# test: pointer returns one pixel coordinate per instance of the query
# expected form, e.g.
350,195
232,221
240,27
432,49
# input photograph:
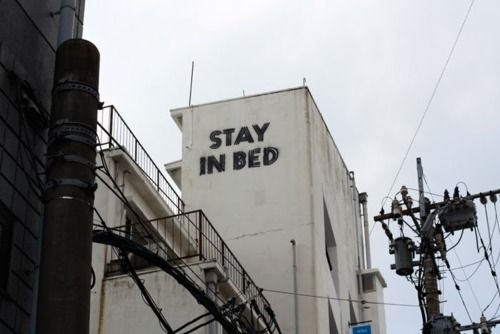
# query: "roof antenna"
243,92
303,82
191,84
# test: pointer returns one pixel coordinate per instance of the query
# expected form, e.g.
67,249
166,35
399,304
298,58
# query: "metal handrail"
211,246
113,131
203,240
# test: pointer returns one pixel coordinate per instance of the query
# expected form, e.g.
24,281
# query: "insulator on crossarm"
404,191
446,195
396,209
483,199
409,201
493,198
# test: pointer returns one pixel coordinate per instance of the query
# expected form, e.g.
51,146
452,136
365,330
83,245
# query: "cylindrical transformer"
403,250
442,324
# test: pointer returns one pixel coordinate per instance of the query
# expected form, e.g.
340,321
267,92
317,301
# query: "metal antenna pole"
191,84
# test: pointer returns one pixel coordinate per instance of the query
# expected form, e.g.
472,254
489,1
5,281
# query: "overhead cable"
431,98
362,301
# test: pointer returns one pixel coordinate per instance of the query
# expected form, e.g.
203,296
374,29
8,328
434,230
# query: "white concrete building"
271,184
266,170
186,263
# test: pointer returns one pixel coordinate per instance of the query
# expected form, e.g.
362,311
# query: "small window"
352,314
368,282
331,248
332,322
5,248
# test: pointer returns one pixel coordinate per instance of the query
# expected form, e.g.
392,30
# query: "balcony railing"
203,241
113,132
183,235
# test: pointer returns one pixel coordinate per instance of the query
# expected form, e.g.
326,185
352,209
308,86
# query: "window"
6,225
332,322
331,248
352,314
368,282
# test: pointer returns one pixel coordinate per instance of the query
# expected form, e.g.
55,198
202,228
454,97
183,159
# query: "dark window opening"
141,232
6,226
352,314
332,322
331,248
368,282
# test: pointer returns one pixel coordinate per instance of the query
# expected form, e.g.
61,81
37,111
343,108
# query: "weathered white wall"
124,310
376,311
116,302
334,188
259,210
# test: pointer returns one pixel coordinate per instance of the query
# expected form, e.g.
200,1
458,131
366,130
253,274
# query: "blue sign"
362,329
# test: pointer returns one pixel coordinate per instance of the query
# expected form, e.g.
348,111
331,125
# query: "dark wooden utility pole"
430,275
65,269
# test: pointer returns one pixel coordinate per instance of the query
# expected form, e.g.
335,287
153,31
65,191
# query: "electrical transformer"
458,215
403,249
442,324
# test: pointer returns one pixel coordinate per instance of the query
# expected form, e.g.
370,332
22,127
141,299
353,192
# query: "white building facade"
151,255
267,172
270,222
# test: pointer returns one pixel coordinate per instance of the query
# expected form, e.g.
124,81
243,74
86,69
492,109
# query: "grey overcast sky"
371,67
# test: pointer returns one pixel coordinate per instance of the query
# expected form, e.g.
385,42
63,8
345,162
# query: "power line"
467,280
429,102
362,301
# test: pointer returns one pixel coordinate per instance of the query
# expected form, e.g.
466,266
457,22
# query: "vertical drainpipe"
211,279
67,14
67,18
295,292
363,199
355,215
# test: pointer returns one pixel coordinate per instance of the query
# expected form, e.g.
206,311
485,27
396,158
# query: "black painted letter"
239,160
203,160
220,164
253,158
214,137
243,135
228,133
270,155
260,131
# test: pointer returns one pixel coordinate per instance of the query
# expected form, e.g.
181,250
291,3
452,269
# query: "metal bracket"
87,185
70,158
78,132
76,85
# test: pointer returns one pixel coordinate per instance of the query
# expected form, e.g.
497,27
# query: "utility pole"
430,277
455,213
65,268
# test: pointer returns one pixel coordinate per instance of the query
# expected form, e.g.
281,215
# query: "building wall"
123,310
116,302
28,35
259,210
110,308
27,41
334,190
